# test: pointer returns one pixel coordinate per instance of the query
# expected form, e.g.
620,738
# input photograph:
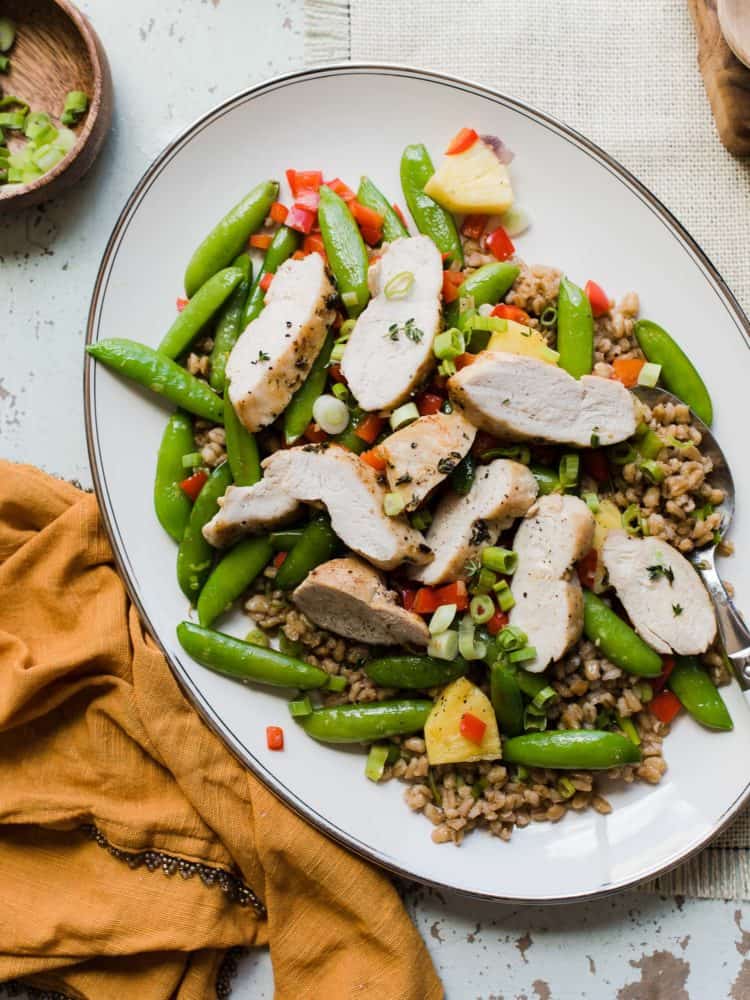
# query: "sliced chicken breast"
249,510
421,455
558,532
661,592
348,597
390,349
520,398
462,525
271,359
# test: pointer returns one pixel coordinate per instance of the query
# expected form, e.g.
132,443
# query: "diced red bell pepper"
366,216
483,442
504,311
452,281
665,706
274,737
192,486
627,370
304,180
301,218
181,303
308,199
473,226
374,459
660,682
498,622
314,244
278,212
407,598
336,374
425,601
278,559
465,359
314,434
463,139
586,568
371,236
397,209
261,241
299,255
370,427
265,281
595,465
453,593
429,402
598,298
500,244
472,727
341,189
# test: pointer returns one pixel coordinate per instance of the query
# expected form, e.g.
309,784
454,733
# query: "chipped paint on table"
631,947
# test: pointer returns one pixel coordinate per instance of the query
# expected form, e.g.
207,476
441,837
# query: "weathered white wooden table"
171,62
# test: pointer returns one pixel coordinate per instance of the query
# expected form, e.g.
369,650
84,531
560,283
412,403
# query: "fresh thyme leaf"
676,609
409,329
657,570
262,356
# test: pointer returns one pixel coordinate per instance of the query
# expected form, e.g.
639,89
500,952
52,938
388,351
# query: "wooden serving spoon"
734,19
56,50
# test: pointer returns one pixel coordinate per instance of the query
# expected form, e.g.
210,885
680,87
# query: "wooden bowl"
56,50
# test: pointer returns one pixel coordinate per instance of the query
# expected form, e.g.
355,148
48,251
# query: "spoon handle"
735,634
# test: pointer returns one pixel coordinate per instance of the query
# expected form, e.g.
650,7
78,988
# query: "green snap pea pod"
195,556
242,448
698,694
237,658
283,245
414,671
346,251
170,502
298,413
462,477
531,684
506,698
229,236
589,749
487,285
229,324
431,219
284,541
547,479
616,639
349,438
231,577
162,375
678,372
199,310
363,723
369,196
316,546
575,330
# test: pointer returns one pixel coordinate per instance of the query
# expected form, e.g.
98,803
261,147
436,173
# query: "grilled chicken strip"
348,597
272,358
519,398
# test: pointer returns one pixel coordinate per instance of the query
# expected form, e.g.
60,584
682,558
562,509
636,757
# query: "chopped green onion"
504,595
533,720
337,351
76,104
512,637
631,520
468,647
442,619
569,470
340,391
628,728
336,683
523,655
522,773
444,646
500,560
292,647
421,519
650,444
543,697
622,454
437,798
330,414
376,761
15,175
566,788
592,502
4,64
495,324
447,368
484,582
645,692
478,788
399,286
466,318
547,354
36,124
7,33
47,157
404,415
675,442
192,460
652,470
300,707
258,638
393,504
517,451
548,317
350,299
481,609
649,375
346,330
515,221
449,344
65,139
12,119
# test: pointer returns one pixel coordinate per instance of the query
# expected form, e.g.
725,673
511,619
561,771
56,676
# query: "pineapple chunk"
606,519
442,731
472,181
519,339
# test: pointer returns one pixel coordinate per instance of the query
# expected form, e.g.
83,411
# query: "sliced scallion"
399,286
504,595
350,299
346,329
376,761
257,637
533,720
484,582
518,452
566,788
14,120
442,619
622,454
76,104
649,375
548,318
4,64
421,519
447,368
468,646
340,391
336,683
46,157
7,33
449,344
652,470
481,609
444,646
499,559
192,460
650,444
494,324
393,504
543,697
628,728
337,351
404,415
631,520
511,638
569,470
331,414
592,502
300,707
523,655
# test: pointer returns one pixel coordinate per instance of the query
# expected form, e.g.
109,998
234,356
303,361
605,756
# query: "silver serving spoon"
734,633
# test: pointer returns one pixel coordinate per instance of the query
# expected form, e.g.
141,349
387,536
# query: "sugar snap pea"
298,413
506,698
616,639
231,577
575,330
349,438
363,723
316,546
547,480
419,672
592,749
678,373
698,694
195,556
228,325
242,448
170,502
199,310
236,658
160,374
430,218
285,539
230,235
462,477
345,249
283,245
371,197
486,286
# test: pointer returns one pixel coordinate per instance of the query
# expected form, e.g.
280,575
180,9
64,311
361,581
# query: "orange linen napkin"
102,761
